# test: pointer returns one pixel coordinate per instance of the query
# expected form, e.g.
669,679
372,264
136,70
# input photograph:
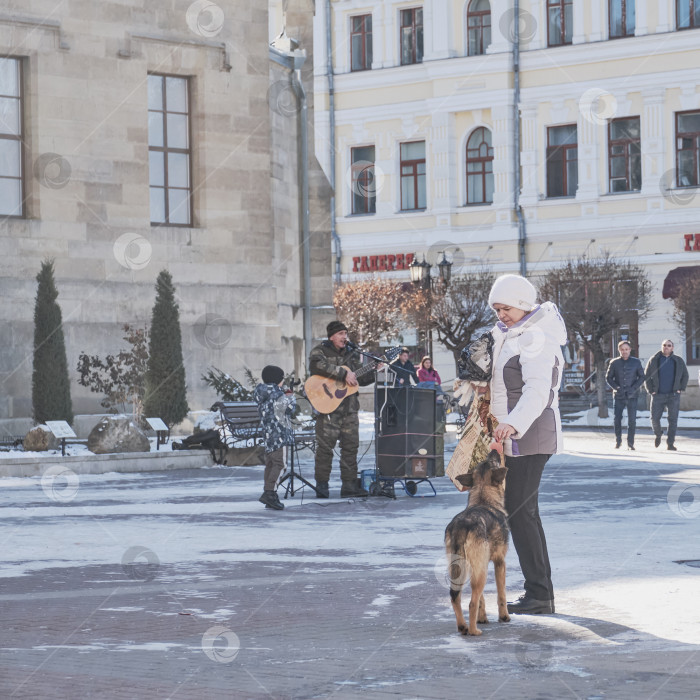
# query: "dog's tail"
467,559
458,567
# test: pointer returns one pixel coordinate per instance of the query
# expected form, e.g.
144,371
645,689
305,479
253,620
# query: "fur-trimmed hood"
527,372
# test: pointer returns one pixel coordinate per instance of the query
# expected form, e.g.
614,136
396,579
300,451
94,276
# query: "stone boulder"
117,434
40,439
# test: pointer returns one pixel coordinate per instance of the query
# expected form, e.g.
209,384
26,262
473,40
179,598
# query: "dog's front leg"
499,567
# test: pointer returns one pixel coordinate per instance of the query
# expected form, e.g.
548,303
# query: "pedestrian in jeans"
666,378
276,409
624,376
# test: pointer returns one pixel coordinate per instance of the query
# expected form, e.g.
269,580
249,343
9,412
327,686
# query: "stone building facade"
604,138
222,214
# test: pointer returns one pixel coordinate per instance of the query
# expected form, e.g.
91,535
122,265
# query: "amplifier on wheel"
406,439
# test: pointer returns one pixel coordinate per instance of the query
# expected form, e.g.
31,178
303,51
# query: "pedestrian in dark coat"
625,376
666,377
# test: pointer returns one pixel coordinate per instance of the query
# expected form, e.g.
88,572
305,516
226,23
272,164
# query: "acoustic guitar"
326,394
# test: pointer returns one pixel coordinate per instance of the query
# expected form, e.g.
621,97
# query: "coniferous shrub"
227,388
50,383
166,391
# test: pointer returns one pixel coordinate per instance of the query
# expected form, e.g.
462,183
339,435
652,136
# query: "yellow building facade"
417,127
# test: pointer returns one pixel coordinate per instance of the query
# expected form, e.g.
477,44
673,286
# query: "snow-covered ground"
616,523
73,449
117,585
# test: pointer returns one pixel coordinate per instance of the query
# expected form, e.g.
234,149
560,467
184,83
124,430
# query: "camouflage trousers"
333,427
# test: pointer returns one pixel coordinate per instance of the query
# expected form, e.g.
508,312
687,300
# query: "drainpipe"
522,234
303,171
331,137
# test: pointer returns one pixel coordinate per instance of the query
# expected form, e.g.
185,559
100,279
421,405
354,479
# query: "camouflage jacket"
326,361
276,409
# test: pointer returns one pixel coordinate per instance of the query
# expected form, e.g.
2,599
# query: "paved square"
181,585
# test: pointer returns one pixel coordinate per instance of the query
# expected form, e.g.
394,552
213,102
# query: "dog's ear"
497,475
467,480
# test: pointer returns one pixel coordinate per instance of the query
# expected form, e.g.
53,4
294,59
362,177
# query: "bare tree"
457,312
371,309
595,296
686,304
463,310
416,312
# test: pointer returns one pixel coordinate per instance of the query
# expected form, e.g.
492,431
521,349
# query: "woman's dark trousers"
522,491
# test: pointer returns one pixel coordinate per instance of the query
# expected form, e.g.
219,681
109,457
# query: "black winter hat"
335,327
272,374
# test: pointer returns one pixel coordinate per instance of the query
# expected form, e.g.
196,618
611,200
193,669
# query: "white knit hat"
515,291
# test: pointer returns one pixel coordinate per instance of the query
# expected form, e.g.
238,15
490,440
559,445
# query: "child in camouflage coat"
276,409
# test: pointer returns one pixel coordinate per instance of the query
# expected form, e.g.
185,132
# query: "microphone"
351,345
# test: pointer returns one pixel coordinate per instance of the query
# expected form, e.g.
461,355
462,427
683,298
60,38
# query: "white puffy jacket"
527,371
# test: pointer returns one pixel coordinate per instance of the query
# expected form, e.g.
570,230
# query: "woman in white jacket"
527,364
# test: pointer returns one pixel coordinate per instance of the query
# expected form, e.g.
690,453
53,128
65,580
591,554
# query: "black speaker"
406,440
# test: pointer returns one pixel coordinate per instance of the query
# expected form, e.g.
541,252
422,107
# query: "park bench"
241,427
9,442
240,423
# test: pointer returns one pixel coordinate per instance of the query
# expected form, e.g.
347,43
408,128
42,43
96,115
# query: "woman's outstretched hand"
503,432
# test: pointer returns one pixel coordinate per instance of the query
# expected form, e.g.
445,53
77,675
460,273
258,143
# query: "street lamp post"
422,278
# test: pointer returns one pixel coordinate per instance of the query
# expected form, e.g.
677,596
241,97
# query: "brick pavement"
315,616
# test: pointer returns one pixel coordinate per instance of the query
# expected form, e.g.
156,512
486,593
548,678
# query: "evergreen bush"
50,383
166,391
227,388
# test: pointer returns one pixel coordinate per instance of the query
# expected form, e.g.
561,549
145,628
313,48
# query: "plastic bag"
476,361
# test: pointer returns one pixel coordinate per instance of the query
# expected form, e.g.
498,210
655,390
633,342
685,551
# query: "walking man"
624,376
666,378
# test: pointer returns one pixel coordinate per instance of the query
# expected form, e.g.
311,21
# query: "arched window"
478,27
479,167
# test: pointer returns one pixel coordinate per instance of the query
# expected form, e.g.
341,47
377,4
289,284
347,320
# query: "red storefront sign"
382,263
692,241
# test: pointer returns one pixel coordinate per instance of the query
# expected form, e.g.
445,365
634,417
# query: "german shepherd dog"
475,536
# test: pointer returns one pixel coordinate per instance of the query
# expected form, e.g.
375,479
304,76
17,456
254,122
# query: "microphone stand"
387,369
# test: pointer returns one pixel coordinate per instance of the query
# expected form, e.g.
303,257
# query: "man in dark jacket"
624,376
327,360
666,378
405,371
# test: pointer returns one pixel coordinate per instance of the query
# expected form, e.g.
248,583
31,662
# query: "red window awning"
676,277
